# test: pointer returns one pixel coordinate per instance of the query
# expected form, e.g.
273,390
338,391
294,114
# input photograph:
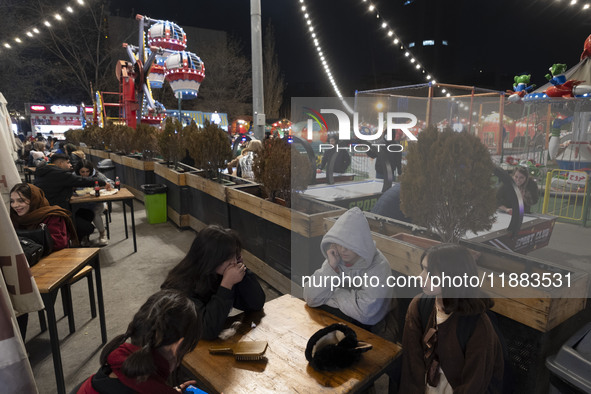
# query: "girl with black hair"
213,275
165,328
450,345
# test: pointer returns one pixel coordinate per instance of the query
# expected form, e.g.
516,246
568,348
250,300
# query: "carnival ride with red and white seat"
160,55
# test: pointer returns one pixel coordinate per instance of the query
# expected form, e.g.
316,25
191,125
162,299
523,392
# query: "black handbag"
40,236
32,250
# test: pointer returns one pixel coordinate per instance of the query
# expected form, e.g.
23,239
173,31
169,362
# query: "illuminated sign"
64,109
37,108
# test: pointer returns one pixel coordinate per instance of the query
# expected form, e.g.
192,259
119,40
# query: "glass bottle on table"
117,183
97,189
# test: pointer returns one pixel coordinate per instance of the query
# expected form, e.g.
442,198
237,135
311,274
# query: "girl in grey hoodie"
353,276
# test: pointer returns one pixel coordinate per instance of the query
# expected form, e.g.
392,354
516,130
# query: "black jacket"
343,160
57,184
246,295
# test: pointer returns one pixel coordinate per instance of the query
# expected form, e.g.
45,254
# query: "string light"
32,31
321,57
384,25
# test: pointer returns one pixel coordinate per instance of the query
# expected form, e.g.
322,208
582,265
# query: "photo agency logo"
362,141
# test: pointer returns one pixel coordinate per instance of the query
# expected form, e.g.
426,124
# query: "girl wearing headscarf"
29,208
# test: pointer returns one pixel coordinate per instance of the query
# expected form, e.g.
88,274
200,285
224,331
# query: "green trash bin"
155,202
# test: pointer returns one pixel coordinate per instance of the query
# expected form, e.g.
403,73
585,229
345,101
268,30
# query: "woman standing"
526,185
213,276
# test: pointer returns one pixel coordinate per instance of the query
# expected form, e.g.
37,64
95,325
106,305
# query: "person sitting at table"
56,179
214,276
526,185
166,327
449,342
28,209
86,169
351,255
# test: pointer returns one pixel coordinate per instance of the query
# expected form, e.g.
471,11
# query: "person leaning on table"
213,275
56,179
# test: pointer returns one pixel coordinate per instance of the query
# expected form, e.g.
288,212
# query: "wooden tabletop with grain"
122,194
286,323
53,270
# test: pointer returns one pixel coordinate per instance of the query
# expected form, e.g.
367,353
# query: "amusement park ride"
160,55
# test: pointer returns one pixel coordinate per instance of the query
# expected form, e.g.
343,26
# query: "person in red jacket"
29,208
165,328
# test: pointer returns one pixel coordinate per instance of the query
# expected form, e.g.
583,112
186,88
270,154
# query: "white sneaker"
103,241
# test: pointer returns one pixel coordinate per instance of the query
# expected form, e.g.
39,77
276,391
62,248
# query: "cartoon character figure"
557,76
521,82
520,87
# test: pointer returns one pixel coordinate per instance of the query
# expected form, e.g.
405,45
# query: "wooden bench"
55,272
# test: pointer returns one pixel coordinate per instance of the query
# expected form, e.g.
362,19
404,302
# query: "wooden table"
286,323
28,171
122,195
51,273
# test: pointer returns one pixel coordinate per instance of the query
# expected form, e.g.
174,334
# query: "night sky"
490,41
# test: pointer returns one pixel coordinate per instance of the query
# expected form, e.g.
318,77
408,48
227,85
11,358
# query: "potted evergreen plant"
172,142
209,146
447,184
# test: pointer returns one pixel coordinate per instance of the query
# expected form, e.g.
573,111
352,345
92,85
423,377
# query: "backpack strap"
466,324
426,304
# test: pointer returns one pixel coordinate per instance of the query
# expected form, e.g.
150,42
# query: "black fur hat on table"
334,347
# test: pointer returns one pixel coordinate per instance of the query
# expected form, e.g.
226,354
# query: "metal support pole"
180,97
258,101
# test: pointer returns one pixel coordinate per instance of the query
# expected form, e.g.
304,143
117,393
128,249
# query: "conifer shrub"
281,169
447,185
210,147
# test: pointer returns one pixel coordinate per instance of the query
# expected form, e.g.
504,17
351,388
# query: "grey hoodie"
367,303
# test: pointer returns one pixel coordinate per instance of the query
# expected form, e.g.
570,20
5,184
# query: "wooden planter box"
533,321
208,199
135,173
280,244
177,195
